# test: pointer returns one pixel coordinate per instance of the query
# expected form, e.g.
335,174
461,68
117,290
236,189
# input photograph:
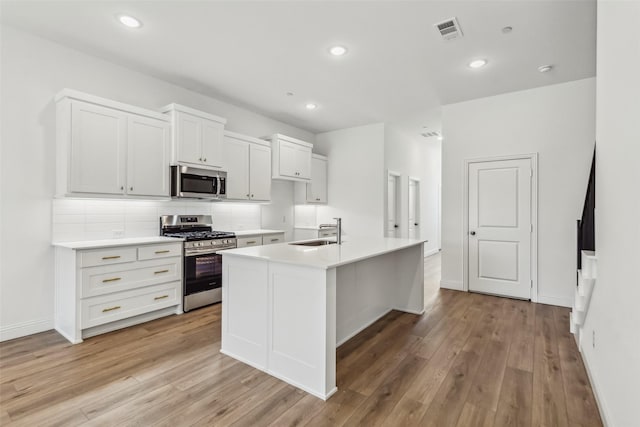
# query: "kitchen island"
286,307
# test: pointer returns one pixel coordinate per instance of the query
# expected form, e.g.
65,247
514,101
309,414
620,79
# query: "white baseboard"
431,252
451,284
23,329
560,302
604,414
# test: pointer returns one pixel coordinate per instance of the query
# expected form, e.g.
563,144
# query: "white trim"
18,330
184,109
602,407
419,196
431,252
279,136
246,138
104,102
558,301
533,157
451,284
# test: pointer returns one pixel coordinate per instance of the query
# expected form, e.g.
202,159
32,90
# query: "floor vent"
449,29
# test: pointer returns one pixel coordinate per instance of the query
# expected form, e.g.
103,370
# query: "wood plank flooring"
470,360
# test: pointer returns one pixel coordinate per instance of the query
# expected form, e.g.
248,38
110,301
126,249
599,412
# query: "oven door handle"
205,252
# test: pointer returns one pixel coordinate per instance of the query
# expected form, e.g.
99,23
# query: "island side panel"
301,315
244,310
408,285
363,294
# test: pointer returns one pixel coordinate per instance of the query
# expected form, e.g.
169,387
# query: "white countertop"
244,233
313,227
327,256
109,243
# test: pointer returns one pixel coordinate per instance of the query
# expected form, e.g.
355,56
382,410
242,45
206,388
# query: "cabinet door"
303,161
98,144
189,138
236,163
317,188
148,157
288,159
212,135
260,172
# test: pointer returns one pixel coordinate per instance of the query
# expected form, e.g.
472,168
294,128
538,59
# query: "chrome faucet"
337,225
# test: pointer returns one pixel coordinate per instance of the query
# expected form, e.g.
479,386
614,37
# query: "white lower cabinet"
260,239
100,290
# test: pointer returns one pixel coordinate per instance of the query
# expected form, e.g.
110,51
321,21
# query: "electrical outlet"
118,233
593,338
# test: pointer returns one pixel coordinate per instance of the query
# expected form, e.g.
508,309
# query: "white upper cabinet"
247,161
291,158
317,188
98,149
109,148
314,191
197,137
148,157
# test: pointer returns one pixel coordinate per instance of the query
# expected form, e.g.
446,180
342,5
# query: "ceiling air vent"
449,29
430,134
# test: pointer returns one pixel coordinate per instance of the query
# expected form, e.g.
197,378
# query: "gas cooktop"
200,235
191,228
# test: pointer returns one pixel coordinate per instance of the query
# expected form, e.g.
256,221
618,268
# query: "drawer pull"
163,252
111,257
161,271
113,279
252,242
162,297
104,310
274,240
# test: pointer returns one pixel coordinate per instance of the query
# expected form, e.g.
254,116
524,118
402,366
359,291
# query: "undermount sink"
314,243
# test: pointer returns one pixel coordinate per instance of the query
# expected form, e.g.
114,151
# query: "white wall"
558,123
417,158
614,361
33,70
355,178
278,215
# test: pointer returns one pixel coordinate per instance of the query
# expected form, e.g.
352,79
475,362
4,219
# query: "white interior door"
393,214
500,227
414,208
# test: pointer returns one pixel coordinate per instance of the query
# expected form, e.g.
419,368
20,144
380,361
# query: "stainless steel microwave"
195,183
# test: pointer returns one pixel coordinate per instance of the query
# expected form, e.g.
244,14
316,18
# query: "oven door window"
202,273
199,184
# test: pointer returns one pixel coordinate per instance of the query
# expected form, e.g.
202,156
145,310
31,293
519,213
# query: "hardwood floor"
471,360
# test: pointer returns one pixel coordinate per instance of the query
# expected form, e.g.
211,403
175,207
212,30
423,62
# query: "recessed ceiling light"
129,21
545,68
440,138
338,50
507,29
478,63
311,106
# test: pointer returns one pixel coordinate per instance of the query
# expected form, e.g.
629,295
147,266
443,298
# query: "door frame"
398,206
419,204
533,157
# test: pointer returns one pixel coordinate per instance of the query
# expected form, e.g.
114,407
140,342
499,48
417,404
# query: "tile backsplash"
94,219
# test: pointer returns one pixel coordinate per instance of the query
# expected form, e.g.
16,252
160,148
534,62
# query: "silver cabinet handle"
473,233
205,159
130,188
252,195
122,187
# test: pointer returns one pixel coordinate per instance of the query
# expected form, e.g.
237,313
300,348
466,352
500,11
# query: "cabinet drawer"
114,278
108,256
243,242
108,308
327,233
159,251
271,239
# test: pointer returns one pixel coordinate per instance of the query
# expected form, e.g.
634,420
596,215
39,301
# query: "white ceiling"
397,68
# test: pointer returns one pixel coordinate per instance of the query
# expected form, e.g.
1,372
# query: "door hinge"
531,172
531,228
531,281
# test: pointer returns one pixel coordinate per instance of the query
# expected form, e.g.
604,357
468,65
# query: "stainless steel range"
202,284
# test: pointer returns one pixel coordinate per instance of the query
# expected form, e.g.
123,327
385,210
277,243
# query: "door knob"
473,233
395,226
415,223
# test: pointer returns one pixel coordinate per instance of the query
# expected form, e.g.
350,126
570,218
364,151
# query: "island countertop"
327,256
